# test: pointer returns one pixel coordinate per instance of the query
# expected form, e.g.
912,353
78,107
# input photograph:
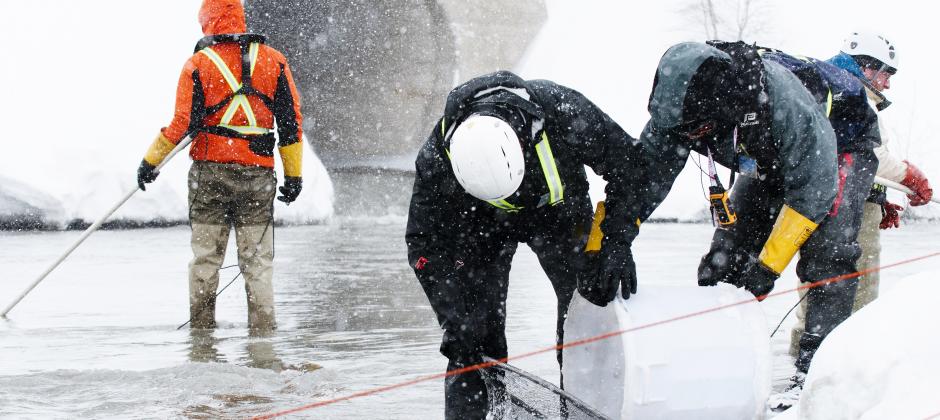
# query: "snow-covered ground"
882,362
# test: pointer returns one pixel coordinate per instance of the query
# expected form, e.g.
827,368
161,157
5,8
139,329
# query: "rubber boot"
465,395
809,343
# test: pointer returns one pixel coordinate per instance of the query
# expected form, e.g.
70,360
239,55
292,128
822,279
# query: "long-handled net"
515,394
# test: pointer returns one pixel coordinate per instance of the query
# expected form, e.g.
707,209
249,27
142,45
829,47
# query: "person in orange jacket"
230,94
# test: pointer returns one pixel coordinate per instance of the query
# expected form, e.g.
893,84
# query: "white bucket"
714,365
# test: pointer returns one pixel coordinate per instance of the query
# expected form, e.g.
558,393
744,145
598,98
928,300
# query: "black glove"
721,265
146,174
614,267
291,189
757,279
736,268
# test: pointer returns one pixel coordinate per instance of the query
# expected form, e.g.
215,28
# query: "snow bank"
89,86
24,207
882,362
165,201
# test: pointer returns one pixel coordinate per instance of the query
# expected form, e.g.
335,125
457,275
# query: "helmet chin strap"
884,103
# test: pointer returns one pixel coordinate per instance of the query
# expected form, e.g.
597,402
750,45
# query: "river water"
98,337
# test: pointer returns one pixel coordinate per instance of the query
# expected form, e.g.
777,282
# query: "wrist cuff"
791,230
158,150
292,158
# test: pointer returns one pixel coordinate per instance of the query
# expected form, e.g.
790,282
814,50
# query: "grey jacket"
801,161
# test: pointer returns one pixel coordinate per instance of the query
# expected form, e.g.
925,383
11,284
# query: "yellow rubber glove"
791,230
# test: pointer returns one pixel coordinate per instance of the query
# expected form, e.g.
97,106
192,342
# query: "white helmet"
874,46
486,156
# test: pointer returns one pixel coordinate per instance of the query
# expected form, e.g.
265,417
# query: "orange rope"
588,341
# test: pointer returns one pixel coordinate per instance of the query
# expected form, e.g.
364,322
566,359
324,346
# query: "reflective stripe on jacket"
556,188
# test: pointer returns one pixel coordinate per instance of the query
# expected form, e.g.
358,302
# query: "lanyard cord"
722,212
734,160
713,171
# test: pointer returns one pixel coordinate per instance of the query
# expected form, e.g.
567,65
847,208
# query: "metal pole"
182,144
899,187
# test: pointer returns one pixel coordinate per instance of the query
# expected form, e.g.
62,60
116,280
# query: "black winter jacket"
442,216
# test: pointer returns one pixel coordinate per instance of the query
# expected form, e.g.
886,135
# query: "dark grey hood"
675,74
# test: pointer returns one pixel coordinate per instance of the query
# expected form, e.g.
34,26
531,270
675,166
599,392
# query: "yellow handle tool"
596,236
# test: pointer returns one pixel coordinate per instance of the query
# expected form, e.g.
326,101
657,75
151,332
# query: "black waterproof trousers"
558,240
832,250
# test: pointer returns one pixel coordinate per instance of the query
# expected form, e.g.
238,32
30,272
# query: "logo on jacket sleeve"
750,118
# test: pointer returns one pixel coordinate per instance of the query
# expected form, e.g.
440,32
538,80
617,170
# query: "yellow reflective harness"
238,100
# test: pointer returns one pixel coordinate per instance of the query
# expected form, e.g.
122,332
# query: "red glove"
889,215
917,182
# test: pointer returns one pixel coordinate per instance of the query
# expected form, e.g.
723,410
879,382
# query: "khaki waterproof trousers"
222,196
869,239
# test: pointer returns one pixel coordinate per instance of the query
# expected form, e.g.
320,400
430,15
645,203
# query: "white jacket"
889,167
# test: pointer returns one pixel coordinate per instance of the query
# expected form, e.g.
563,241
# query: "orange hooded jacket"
224,129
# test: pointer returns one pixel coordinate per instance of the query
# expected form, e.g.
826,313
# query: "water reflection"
203,346
260,352
258,349
257,352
